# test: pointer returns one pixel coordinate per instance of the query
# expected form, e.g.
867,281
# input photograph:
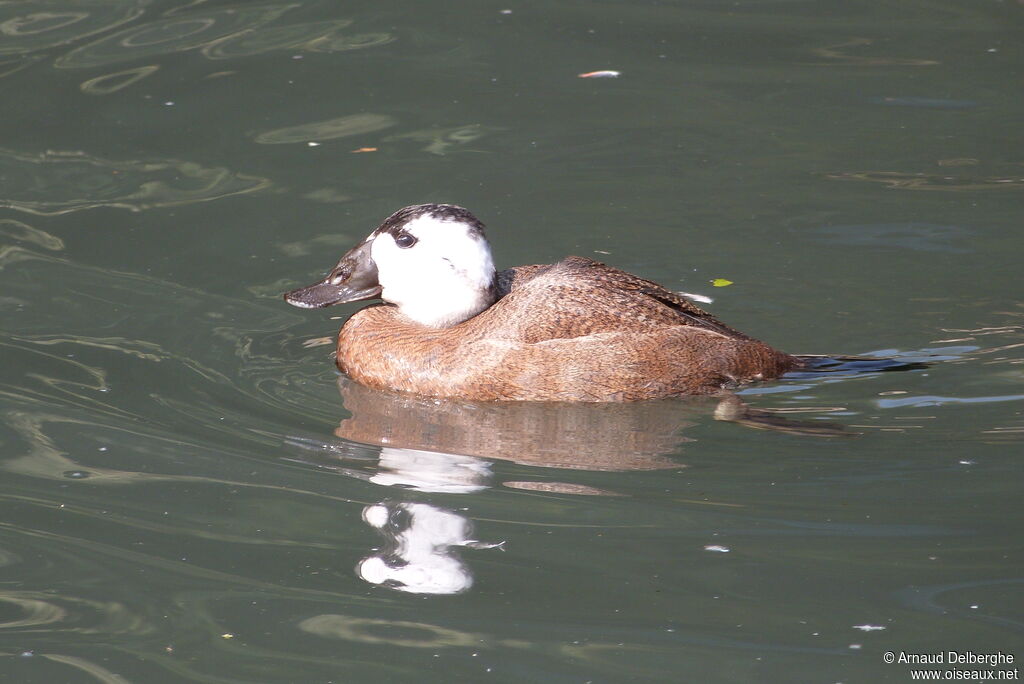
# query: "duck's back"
579,296
577,330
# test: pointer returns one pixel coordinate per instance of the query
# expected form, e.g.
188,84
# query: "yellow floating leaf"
721,282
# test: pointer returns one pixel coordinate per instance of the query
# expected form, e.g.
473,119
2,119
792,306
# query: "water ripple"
41,24
226,33
899,180
289,37
59,182
353,124
22,232
175,34
13,66
111,83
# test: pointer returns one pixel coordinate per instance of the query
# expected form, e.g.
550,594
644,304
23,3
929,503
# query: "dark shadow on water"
853,365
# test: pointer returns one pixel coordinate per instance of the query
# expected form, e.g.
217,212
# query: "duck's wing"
687,312
579,296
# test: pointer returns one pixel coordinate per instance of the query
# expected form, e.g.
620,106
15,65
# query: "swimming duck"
577,330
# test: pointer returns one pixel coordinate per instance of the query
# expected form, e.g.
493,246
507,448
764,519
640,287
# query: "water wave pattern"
83,366
13,65
900,180
330,129
444,140
27,27
954,601
904,391
102,420
118,80
223,33
289,36
323,36
921,237
58,182
174,34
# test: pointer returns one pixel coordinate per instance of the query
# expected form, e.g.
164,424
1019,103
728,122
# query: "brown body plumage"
577,330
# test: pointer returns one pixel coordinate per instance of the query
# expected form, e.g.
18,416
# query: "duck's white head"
432,261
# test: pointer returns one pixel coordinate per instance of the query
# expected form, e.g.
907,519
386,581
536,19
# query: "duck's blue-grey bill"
352,280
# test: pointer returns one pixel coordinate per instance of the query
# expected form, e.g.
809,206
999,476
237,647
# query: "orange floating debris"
364,149
606,73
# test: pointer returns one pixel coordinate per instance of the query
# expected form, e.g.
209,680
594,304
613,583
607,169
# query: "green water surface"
189,495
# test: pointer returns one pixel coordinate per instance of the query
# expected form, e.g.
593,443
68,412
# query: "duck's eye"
405,241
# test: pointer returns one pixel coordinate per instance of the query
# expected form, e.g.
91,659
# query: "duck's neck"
446,304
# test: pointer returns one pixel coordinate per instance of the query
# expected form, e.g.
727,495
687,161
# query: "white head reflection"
420,549
431,471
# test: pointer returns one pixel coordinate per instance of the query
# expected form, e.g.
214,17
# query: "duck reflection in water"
609,436
429,443
448,447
